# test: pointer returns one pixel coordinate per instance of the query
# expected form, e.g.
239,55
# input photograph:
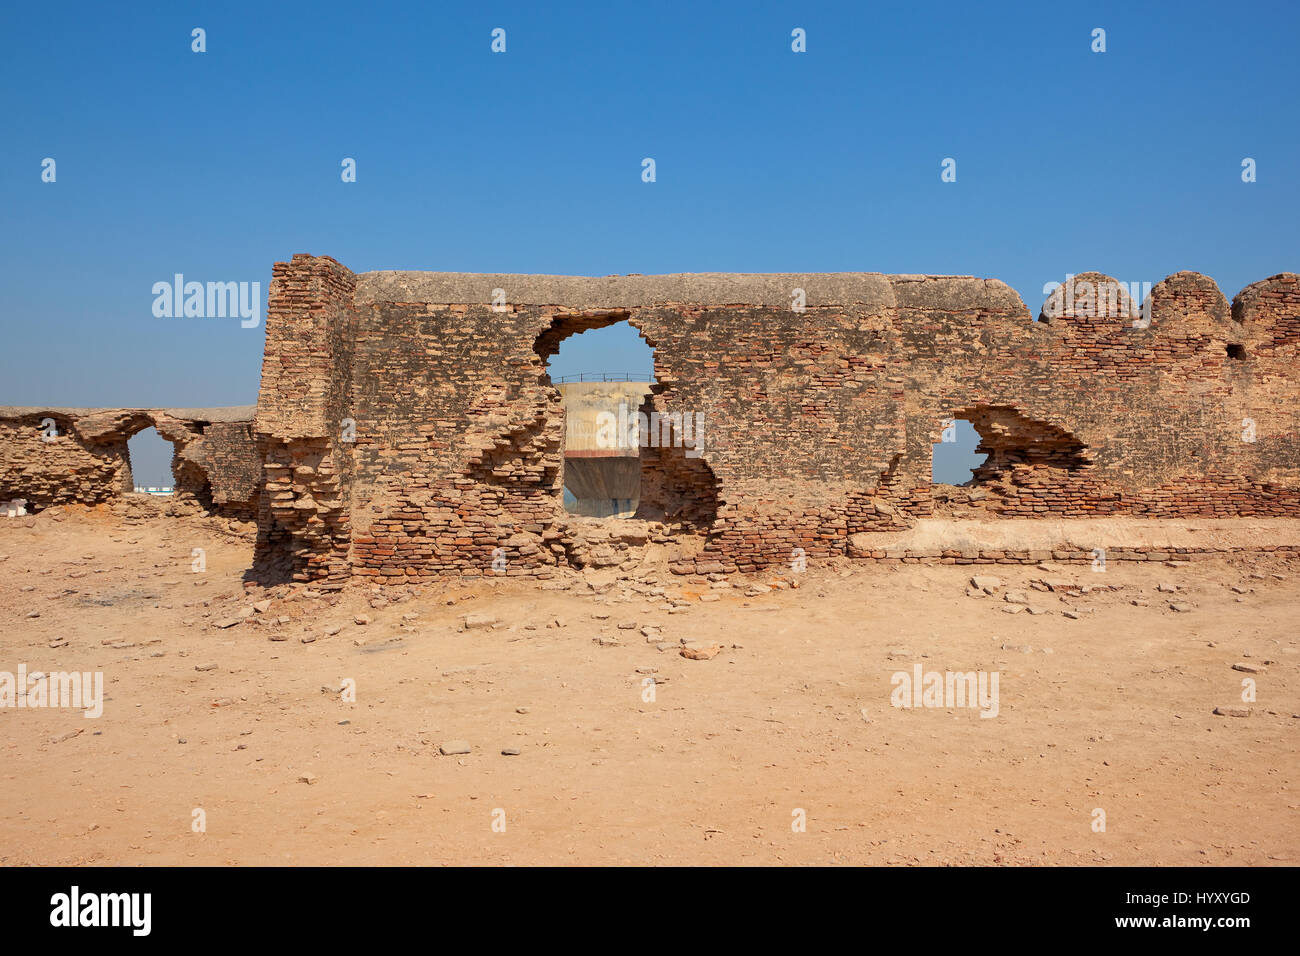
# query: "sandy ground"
1111,710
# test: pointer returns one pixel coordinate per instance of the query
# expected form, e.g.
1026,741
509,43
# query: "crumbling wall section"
51,456
459,442
303,426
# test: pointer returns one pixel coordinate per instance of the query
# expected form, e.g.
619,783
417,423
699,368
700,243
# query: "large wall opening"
150,458
988,453
605,376
1010,439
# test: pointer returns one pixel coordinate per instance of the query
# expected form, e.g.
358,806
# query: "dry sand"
1112,710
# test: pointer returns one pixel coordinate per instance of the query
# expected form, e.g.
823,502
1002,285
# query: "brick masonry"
409,430
52,456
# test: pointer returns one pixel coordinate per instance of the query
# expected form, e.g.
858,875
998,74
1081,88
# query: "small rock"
454,747
205,667
308,778
1232,711
509,751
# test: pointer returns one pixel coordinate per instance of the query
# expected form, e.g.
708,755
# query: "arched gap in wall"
604,370
149,456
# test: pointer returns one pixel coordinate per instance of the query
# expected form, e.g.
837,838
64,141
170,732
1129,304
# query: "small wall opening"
1010,439
1237,352
149,457
1014,449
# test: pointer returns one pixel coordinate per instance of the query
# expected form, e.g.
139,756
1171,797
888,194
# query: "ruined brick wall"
225,463
818,424
301,426
49,466
1178,412
464,456
51,456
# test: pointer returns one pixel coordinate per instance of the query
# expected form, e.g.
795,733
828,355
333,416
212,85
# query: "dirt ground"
240,745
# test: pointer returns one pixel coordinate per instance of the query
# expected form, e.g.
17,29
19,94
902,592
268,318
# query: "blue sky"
217,164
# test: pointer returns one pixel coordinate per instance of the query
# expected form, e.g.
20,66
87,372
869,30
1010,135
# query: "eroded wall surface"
409,428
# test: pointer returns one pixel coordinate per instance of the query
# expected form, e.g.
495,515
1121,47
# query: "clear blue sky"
217,164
